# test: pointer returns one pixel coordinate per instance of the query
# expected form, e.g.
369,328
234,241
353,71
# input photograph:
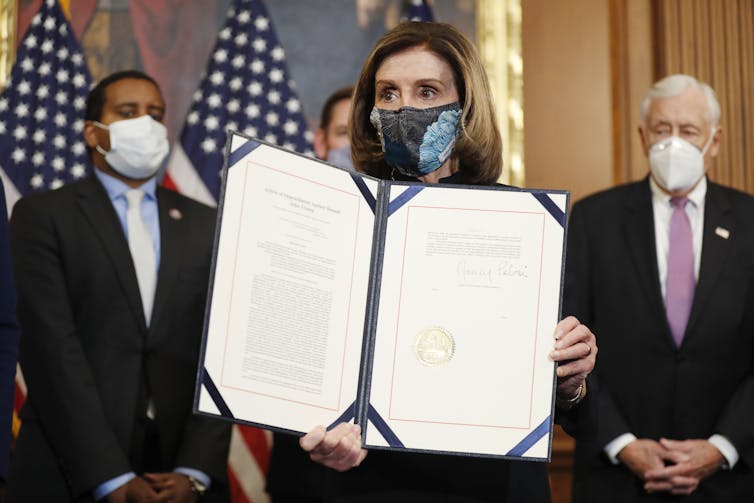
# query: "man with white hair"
662,270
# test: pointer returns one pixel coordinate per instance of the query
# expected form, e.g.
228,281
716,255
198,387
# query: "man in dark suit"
112,274
662,270
8,341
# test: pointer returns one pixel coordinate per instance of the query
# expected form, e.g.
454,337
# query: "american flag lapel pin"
176,214
722,232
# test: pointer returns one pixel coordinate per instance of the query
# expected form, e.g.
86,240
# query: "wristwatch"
197,487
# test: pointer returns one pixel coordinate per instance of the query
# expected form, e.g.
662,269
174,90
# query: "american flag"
246,87
42,109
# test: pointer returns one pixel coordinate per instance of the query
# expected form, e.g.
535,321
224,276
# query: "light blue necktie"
142,251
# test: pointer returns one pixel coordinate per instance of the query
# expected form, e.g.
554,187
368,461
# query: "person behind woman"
420,75
332,138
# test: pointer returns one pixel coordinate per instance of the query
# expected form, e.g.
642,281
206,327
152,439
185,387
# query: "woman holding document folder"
422,111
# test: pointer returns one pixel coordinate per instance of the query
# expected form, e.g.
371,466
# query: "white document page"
468,305
289,293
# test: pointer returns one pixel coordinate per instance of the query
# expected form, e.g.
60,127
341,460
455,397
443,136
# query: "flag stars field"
38,158
252,111
27,65
278,54
220,56
238,61
293,105
257,66
209,145
246,87
37,181
255,88
259,45
39,106
214,100
244,17
217,78
233,106
262,23
23,88
211,123
276,75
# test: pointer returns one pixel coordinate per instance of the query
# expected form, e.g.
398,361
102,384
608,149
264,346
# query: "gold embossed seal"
434,346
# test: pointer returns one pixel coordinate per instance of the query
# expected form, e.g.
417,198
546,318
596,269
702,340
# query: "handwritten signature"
490,275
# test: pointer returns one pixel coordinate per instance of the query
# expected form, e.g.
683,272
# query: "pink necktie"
679,293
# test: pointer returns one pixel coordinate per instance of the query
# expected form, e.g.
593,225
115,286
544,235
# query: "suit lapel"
639,231
98,210
172,241
718,224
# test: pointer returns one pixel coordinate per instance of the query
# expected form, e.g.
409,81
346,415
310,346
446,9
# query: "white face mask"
676,164
138,146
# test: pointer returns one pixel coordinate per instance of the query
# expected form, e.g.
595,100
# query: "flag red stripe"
19,398
256,441
237,494
168,183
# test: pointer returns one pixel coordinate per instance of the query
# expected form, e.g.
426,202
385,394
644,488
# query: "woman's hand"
575,351
339,448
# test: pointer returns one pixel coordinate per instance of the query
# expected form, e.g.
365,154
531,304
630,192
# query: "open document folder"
423,312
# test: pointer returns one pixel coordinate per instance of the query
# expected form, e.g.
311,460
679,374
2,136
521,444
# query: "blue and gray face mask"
417,141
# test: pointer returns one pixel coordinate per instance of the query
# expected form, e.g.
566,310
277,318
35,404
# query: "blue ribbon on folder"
532,438
383,428
215,395
368,196
551,207
374,417
396,203
403,198
347,415
241,152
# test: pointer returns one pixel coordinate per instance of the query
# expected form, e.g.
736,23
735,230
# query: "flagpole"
8,27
